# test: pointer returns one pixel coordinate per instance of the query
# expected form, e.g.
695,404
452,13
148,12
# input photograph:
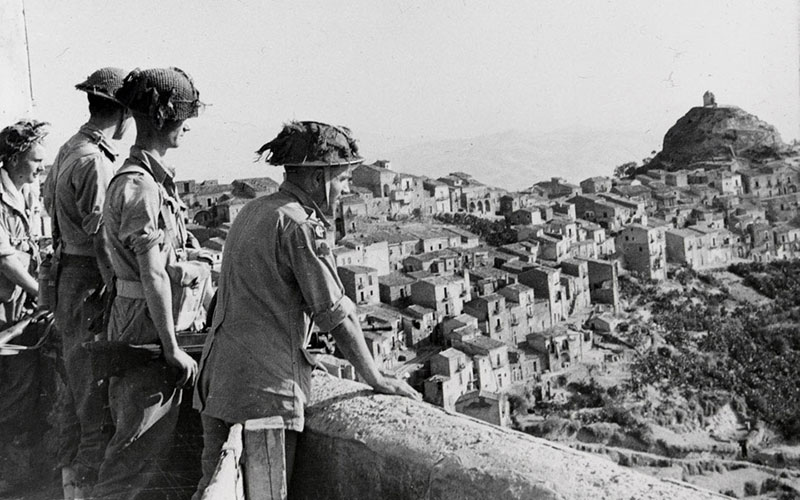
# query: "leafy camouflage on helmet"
311,144
160,94
20,137
104,82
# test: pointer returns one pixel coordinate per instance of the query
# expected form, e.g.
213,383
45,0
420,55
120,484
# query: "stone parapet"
359,445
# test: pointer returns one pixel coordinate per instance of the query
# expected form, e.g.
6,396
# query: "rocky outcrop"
711,133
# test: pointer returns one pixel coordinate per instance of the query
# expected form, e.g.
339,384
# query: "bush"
750,489
770,484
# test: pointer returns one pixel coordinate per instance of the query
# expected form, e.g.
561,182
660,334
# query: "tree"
625,170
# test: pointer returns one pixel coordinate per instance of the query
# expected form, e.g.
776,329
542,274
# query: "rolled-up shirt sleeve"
316,276
91,181
138,228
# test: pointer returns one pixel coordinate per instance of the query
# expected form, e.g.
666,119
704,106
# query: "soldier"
21,156
278,276
74,194
144,226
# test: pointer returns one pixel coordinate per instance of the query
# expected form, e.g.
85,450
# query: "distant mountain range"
515,159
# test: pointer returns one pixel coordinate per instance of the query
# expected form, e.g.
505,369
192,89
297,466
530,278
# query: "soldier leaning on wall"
278,276
74,193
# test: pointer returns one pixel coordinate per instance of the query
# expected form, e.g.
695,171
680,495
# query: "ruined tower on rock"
714,132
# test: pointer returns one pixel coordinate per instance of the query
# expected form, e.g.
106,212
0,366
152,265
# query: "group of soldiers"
126,271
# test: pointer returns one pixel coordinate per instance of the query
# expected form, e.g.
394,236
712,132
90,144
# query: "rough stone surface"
706,133
358,445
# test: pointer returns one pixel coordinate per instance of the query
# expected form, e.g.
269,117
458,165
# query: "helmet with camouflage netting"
160,94
104,82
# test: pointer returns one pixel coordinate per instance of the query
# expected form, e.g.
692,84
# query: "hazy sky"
398,72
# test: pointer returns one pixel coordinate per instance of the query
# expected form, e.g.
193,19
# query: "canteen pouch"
189,280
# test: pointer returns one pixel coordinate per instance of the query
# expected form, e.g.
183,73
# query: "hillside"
516,159
706,133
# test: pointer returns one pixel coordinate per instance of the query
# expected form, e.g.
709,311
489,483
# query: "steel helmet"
311,144
104,82
160,94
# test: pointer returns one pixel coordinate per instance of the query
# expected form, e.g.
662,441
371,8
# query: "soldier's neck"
105,125
152,143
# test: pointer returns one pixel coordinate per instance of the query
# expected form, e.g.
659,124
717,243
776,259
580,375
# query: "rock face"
712,133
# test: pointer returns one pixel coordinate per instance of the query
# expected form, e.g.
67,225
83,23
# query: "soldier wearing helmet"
278,278
74,193
21,416
146,237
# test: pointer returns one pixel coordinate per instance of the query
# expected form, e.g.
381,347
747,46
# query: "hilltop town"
469,322
482,297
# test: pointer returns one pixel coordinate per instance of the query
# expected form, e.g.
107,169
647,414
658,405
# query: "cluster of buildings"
468,323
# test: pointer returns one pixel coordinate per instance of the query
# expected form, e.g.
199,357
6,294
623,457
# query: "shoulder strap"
130,168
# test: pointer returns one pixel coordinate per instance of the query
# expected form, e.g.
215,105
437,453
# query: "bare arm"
350,340
158,295
13,269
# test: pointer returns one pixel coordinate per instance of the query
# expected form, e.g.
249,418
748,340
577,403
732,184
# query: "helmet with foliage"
311,144
160,94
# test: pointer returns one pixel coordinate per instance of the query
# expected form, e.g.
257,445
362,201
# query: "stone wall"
358,445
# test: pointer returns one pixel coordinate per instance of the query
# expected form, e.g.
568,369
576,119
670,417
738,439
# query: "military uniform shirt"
75,189
18,234
141,211
278,274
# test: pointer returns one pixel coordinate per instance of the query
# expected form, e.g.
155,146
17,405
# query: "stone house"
490,359
377,177
594,185
370,252
418,325
563,226
525,368
643,249
546,285
603,282
254,187
490,310
360,283
562,347
520,311
700,247
458,328
464,238
444,294
578,296
440,193
526,251
556,187
678,178
451,377
552,247
525,217
394,289
443,261
485,280
773,179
